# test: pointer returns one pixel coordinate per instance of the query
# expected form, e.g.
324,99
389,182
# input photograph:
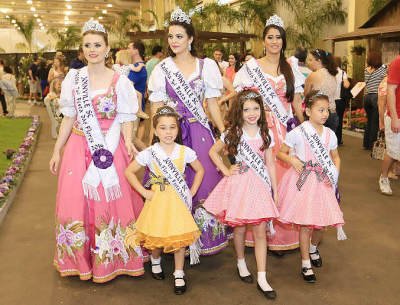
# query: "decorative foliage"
26,29
67,39
376,5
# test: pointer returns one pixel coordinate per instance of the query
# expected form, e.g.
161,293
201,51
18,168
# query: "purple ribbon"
102,158
185,130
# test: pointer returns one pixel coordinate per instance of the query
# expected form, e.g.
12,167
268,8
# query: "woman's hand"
54,163
297,164
233,170
131,149
148,195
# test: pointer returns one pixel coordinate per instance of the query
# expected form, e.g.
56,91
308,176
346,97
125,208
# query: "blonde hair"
123,57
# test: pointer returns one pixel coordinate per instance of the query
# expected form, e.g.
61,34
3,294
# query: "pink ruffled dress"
243,198
90,234
312,202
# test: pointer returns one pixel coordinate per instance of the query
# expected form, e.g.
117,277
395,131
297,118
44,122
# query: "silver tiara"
93,25
250,95
275,20
180,16
166,110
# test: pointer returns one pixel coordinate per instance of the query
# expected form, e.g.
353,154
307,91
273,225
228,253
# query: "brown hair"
374,59
326,59
311,98
235,121
283,66
166,111
189,29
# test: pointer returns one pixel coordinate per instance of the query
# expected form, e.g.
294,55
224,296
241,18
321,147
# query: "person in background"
218,56
57,71
79,61
301,55
341,80
156,56
33,80
9,89
43,74
374,74
2,97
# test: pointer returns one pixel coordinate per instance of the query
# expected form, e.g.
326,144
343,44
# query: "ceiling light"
13,3
35,15
67,13
7,17
109,5
66,18
29,2
41,24
13,21
33,9
38,20
104,11
100,17
69,6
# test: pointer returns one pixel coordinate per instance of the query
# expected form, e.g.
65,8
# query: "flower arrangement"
355,119
10,177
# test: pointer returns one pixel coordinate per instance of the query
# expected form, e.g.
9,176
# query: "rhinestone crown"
93,25
275,20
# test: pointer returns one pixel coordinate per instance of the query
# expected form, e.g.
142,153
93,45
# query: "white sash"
96,140
270,98
185,92
176,179
320,152
254,161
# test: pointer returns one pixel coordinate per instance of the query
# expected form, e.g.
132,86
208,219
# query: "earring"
106,56
190,47
264,51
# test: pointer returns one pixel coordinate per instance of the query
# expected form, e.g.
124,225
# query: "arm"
284,156
298,107
154,107
270,163
126,129
308,85
381,110
30,74
391,104
216,158
215,113
130,174
63,135
198,178
51,75
335,158
229,87
136,69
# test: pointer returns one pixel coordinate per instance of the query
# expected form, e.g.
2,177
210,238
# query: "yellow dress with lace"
165,221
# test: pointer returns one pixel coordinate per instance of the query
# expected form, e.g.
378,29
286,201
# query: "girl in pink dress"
286,82
307,191
245,196
95,206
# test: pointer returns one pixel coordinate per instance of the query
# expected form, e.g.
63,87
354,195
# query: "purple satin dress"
197,137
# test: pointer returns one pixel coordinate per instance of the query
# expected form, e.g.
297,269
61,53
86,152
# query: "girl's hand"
233,170
131,149
148,195
54,163
297,164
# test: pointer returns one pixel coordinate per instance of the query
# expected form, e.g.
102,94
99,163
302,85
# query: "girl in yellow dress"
166,221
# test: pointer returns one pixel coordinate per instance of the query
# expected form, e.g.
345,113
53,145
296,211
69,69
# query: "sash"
185,92
176,179
320,152
270,98
101,168
254,161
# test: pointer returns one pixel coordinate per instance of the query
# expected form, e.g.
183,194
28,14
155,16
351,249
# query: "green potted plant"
358,50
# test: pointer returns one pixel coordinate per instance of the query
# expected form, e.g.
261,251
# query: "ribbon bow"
159,180
309,167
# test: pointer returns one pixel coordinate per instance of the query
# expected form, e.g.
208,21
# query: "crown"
180,16
251,94
275,20
93,25
166,110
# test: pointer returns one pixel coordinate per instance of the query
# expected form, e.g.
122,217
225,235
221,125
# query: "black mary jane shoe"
247,279
179,289
157,276
269,294
316,262
311,278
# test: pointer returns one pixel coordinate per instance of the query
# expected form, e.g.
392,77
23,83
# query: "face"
319,112
178,39
132,50
218,55
94,48
273,42
56,62
251,112
167,129
232,60
313,63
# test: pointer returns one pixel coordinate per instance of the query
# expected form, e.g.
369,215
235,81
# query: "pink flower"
65,237
116,246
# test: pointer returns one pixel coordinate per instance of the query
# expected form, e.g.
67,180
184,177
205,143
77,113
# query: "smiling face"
318,112
273,41
95,48
251,112
232,60
178,39
167,129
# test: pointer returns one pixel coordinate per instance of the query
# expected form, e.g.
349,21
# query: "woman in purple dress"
184,81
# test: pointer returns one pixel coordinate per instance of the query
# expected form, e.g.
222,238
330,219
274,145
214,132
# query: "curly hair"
235,121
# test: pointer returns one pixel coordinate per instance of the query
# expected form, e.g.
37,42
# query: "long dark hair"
238,63
326,59
283,66
189,29
235,121
139,45
166,111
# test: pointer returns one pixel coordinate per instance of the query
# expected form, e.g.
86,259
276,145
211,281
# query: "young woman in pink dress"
307,191
286,81
245,196
95,206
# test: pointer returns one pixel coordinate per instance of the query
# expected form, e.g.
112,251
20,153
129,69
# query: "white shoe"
384,185
29,102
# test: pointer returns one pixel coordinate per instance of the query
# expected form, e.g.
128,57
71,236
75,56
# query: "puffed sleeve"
190,155
291,138
242,79
144,157
156,85
127,103
333,144
299,78
67,106
212,79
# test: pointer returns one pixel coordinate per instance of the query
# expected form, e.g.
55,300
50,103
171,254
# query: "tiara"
275,20
93,25
166,110
250,95
180,16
